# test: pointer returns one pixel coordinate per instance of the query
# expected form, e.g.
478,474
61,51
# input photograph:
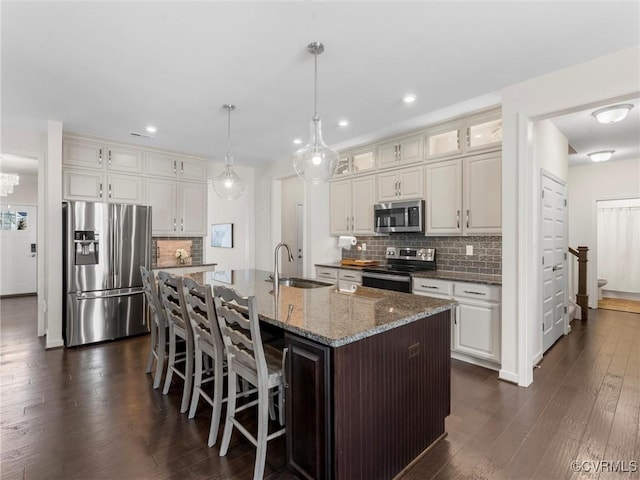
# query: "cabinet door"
477,329
192,169
83,154
363,198
122,159
162,196
193,208
125,189
308,407
161,165
78,185
340,208
410,149
443,142
388,155
387,186
484,135
411,183
444,197
483,194
363,161
344,165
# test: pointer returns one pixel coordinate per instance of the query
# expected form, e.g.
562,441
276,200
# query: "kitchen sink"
302,283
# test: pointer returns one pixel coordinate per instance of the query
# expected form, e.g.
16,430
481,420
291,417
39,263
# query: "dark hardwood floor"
90,413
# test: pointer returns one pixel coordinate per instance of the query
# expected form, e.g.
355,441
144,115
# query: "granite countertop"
483,278
327,315
185,269
338,265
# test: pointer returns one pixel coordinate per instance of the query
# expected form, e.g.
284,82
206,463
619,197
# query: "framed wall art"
222,235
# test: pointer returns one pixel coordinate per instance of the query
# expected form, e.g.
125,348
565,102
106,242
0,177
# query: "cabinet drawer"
477,291
327,273
433,286
350,275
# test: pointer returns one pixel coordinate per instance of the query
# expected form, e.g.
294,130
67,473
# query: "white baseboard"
475,361
508,376
54,344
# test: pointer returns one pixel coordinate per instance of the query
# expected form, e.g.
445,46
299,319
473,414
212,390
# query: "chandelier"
7,182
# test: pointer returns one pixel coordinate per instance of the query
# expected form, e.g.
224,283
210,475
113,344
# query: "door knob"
556,267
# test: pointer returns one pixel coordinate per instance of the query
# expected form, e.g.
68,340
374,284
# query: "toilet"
601,283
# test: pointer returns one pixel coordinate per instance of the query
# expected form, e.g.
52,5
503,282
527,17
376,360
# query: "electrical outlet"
364,246
469,249
414,350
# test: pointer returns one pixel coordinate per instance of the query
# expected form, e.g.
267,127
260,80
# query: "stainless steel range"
401,264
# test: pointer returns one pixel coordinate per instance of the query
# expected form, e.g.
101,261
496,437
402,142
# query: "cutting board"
359,263
166,252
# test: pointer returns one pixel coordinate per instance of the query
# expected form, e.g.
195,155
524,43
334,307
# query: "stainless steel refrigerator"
104,246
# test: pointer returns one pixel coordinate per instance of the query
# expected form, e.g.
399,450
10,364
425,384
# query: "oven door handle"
391,278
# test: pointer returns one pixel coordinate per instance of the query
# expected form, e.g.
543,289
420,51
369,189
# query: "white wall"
589,84
25,193
588,183
33,143
550,154
241,213
292,194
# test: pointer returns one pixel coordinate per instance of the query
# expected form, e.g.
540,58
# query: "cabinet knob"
100,156
109,156
458,218
100,190
468,218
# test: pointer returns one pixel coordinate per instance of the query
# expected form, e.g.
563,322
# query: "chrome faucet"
276,272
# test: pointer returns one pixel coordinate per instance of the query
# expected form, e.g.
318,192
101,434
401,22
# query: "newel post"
582,299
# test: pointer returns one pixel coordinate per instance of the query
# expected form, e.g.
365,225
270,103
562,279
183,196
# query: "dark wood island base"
367,409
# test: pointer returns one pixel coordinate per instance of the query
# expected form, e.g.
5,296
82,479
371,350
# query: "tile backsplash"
450,251
161,245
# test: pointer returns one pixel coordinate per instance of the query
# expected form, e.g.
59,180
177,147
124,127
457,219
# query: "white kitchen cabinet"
99,156
482,194
177,208
327,274
99,187
470,135
351,206
464,195
361,160
477,321
407,183
400,151
173,166
475,327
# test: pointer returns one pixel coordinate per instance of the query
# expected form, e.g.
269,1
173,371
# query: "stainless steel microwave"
399,217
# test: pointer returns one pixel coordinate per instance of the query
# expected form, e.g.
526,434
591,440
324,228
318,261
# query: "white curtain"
619,248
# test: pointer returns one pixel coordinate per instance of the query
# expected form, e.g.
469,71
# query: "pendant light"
315,162
228,185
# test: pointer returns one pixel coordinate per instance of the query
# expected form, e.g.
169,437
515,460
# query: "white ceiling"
586,135
109,68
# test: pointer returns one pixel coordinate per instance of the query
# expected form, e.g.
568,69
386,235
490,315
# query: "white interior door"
554,248
18,240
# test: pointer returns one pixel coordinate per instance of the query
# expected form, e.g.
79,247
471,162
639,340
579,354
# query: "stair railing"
582,299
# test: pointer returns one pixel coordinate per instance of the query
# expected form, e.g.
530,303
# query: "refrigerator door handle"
85,296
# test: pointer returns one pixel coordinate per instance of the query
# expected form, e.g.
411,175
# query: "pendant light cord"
228,130
315,86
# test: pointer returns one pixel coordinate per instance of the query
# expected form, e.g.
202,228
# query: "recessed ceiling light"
297,141
151,129
601,156
410,98
612,114
343,123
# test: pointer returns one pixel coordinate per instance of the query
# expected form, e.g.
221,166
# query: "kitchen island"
367,372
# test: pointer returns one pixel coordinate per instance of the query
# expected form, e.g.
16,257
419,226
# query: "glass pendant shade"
315,162
228,185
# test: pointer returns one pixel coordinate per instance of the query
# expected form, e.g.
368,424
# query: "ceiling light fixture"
151,129
297,141
7,182
228,185
343,123
315,162
601,156
409,98
612,114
